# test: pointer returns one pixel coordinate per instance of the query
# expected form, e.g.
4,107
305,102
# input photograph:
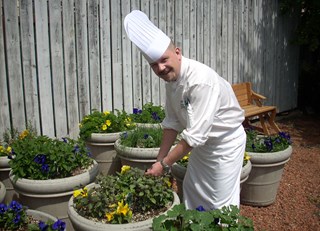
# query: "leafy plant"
184,160
120,198
179,218
10,136
105,122
142,137
262,143
14,217
40,157
148,114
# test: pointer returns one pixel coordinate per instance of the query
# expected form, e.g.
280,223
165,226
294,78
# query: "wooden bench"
251,103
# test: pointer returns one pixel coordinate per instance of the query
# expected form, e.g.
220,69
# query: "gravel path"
297,206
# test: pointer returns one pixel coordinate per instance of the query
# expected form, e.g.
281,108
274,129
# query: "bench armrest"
257,98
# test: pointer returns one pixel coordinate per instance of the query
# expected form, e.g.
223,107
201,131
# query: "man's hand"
155,170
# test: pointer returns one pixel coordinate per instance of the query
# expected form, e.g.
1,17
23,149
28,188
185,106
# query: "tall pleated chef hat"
151,41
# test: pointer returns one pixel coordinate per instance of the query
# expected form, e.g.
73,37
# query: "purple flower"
64,139
269,145
45,168
40,159
43,226
146,136
3,208
16,219
155,116
15,206
76,149
124,135
137,111
59,225
200,208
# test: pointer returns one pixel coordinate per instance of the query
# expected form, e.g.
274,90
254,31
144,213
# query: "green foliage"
41,157
10,136
14,217
105,122
181,219
142,137
121,195
148,114
308,31
262,143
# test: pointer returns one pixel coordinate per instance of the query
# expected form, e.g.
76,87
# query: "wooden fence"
59,59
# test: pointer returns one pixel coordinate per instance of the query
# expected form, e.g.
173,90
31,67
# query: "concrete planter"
52,196
83,224
4,178
3,192
101,146
141,158
262,185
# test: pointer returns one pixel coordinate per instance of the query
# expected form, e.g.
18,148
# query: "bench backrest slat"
243,93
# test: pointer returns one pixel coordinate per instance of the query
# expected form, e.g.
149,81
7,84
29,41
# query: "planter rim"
40,215
26,186
270,157
141,153
104,137
98,226
4,163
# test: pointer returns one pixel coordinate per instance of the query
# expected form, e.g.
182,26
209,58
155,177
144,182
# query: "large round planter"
4,178
178,172
3,192
83,224
141,158
41,216
148,125
101,146
262,185
52,196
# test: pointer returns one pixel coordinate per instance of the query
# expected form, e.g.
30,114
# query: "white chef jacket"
202,106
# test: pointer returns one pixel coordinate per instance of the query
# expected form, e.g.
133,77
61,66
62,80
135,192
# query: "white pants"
212,179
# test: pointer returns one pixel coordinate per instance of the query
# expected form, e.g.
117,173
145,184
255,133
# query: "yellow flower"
9,149
23,134
246,156
109,216
1,148
125,168
108,123
81,192
122,209
167,181
106,112
104,127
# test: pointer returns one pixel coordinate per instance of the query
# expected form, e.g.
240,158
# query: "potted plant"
100,130
5,154
15,216
179,218
179,169
45,171
3,192
268,155
139,148
128,200
150,115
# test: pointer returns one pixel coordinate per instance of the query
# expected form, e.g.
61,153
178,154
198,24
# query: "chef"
201,106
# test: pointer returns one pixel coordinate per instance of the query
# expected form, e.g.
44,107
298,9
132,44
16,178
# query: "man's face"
168,66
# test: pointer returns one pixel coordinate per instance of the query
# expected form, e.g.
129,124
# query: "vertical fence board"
116,54
29,69
82,57
4,97
69,46
105,55
15,79
57,67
